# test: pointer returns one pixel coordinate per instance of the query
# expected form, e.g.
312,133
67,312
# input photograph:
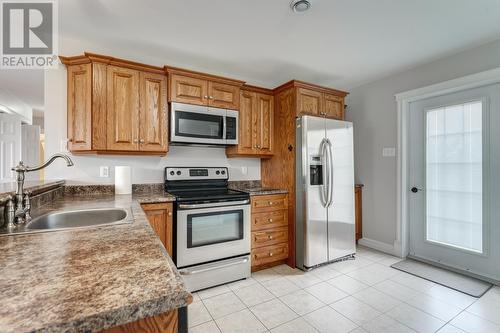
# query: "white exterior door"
454,193
10,145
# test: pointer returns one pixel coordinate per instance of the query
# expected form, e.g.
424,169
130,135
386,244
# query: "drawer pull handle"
270,254
270,220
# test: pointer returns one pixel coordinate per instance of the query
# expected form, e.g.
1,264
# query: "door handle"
326,177
330,170
416,189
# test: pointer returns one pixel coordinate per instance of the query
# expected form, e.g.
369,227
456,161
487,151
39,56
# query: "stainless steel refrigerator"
324,226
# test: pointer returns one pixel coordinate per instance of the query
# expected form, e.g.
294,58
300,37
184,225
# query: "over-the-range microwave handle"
224,127
213,204
214,266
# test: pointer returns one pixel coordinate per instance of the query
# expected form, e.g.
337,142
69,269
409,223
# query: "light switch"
244,170
104,172
388,152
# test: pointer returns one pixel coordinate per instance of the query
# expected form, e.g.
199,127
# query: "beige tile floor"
361,295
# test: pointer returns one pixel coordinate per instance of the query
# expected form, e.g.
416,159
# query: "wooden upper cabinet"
309,101
221,95
256,121
265,110
123,109
246,139
116,106
190,90
80,107
153,110
333,106
203,89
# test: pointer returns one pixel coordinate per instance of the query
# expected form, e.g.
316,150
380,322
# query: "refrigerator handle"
326,180
330,173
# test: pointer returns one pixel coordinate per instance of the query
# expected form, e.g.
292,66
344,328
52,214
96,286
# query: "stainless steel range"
212,229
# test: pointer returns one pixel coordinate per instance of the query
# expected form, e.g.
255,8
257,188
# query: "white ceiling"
338,43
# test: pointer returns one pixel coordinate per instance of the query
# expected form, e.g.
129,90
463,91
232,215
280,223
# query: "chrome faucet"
18,209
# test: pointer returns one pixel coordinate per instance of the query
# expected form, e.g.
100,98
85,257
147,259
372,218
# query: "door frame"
402,242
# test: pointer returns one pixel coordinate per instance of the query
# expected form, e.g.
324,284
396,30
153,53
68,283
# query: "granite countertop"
259,190
87,279
34,187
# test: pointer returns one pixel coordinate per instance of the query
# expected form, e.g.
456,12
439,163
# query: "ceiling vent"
300,6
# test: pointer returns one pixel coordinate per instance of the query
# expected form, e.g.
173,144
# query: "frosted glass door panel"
454,164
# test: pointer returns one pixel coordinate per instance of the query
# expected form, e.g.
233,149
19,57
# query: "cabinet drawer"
277,218
268,254
269,237
266,203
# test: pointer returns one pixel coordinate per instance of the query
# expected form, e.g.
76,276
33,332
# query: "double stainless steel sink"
72,219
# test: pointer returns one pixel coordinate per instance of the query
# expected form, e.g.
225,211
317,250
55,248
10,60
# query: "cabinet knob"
141,140
270,254
211,97
270,237
135,140
169,213
270,203
270,220
206,97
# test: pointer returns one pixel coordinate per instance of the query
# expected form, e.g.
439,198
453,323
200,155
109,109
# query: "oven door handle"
214,266
213,204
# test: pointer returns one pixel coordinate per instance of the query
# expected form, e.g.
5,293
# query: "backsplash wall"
145,169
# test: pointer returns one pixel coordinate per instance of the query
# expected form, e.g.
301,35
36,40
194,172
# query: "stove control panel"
182,173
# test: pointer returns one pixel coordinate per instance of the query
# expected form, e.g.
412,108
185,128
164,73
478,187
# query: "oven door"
206,234
197,124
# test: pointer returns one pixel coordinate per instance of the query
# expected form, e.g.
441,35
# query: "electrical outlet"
64,146
388,152
104,172
244,170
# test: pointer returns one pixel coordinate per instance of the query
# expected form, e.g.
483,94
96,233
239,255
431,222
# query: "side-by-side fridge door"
341,228
311,212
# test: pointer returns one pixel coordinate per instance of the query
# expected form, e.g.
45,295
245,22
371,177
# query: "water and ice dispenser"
316,170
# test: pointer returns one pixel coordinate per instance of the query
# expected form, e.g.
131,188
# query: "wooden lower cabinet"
358,197
270,236
163,323
269,254
161,220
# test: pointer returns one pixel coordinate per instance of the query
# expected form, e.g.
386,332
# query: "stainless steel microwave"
196,124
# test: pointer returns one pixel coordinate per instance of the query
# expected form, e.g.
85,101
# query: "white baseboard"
379,246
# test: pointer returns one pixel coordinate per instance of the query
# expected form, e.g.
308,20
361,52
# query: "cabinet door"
265,110
185,89
358,212
160,219
153,109
246,140
221,95
334,106
80,107
309,102
123,109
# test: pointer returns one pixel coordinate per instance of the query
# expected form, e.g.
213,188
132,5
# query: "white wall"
372,108
145,169
10,103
